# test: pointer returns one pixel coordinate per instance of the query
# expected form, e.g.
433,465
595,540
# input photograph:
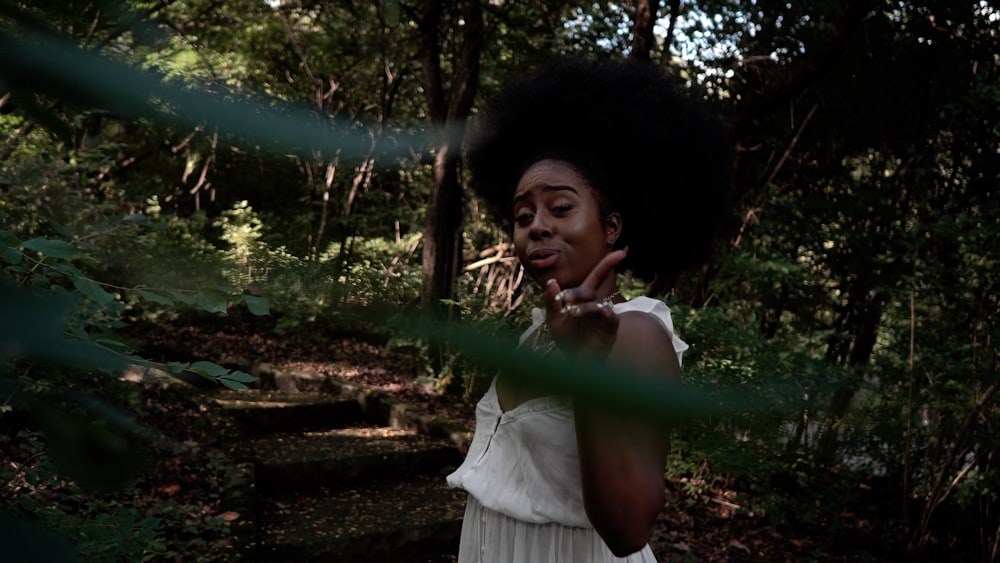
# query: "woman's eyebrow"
519,197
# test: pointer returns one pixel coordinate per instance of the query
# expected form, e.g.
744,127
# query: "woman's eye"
562,208
522,218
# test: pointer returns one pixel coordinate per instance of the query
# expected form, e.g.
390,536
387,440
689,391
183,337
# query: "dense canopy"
302,159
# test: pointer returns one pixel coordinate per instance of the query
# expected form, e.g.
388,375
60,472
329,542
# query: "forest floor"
714,526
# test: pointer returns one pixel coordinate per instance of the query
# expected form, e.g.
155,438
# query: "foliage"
143,521
70,333
69,225
276,155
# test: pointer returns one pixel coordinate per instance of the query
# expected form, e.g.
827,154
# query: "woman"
597,168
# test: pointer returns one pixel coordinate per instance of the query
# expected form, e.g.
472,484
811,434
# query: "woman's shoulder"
644,304
642,329
647,322
653,309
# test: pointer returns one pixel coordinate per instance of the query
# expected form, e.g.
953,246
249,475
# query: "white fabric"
522,473
491,537
655,307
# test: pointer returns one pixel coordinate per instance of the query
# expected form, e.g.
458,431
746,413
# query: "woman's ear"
613,227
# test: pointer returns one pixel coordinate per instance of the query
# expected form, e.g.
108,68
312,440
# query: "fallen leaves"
737,545
169,490
718,527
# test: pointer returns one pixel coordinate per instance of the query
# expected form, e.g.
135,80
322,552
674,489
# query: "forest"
295,167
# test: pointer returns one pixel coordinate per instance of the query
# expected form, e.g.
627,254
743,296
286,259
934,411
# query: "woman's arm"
622,460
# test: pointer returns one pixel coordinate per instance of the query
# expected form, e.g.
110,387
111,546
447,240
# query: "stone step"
259,413
413,521
342,457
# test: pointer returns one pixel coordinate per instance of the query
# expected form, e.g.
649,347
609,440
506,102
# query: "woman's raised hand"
579,320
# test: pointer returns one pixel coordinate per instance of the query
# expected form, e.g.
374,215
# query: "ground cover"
715,524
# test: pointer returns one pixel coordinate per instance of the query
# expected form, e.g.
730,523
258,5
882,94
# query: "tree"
448,112
643,39
858,265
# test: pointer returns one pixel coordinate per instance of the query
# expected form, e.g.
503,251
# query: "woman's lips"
542,258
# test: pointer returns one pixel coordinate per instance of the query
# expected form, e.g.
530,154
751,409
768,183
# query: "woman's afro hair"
651,152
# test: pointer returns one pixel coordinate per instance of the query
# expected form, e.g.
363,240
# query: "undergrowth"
172,509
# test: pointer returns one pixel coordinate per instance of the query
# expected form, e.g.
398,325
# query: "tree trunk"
442,240
865,333
442,232
443,224
643,39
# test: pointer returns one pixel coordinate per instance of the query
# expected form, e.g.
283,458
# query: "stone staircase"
329,471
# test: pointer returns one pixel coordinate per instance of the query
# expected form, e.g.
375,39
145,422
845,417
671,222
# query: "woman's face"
558,229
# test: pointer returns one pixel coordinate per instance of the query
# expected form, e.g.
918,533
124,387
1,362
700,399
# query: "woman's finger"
603,268
575,295
596,309
553,305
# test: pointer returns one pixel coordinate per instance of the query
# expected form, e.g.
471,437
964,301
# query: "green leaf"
34,328
177,367
208,368
66,71
182,296
135,218
237,375
68,269
28,540
233,384
8,238
8,248
213,301
52,248
10,255
154,297
113,344
257,305
28,503
93,455
93,291
61,229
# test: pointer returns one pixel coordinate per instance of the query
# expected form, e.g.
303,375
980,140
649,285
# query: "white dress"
522,474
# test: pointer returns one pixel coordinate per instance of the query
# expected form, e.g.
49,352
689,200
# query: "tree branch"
469,61
940,492
430,59
675,10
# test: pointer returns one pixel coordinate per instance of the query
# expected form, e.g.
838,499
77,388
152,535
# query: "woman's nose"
539,227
